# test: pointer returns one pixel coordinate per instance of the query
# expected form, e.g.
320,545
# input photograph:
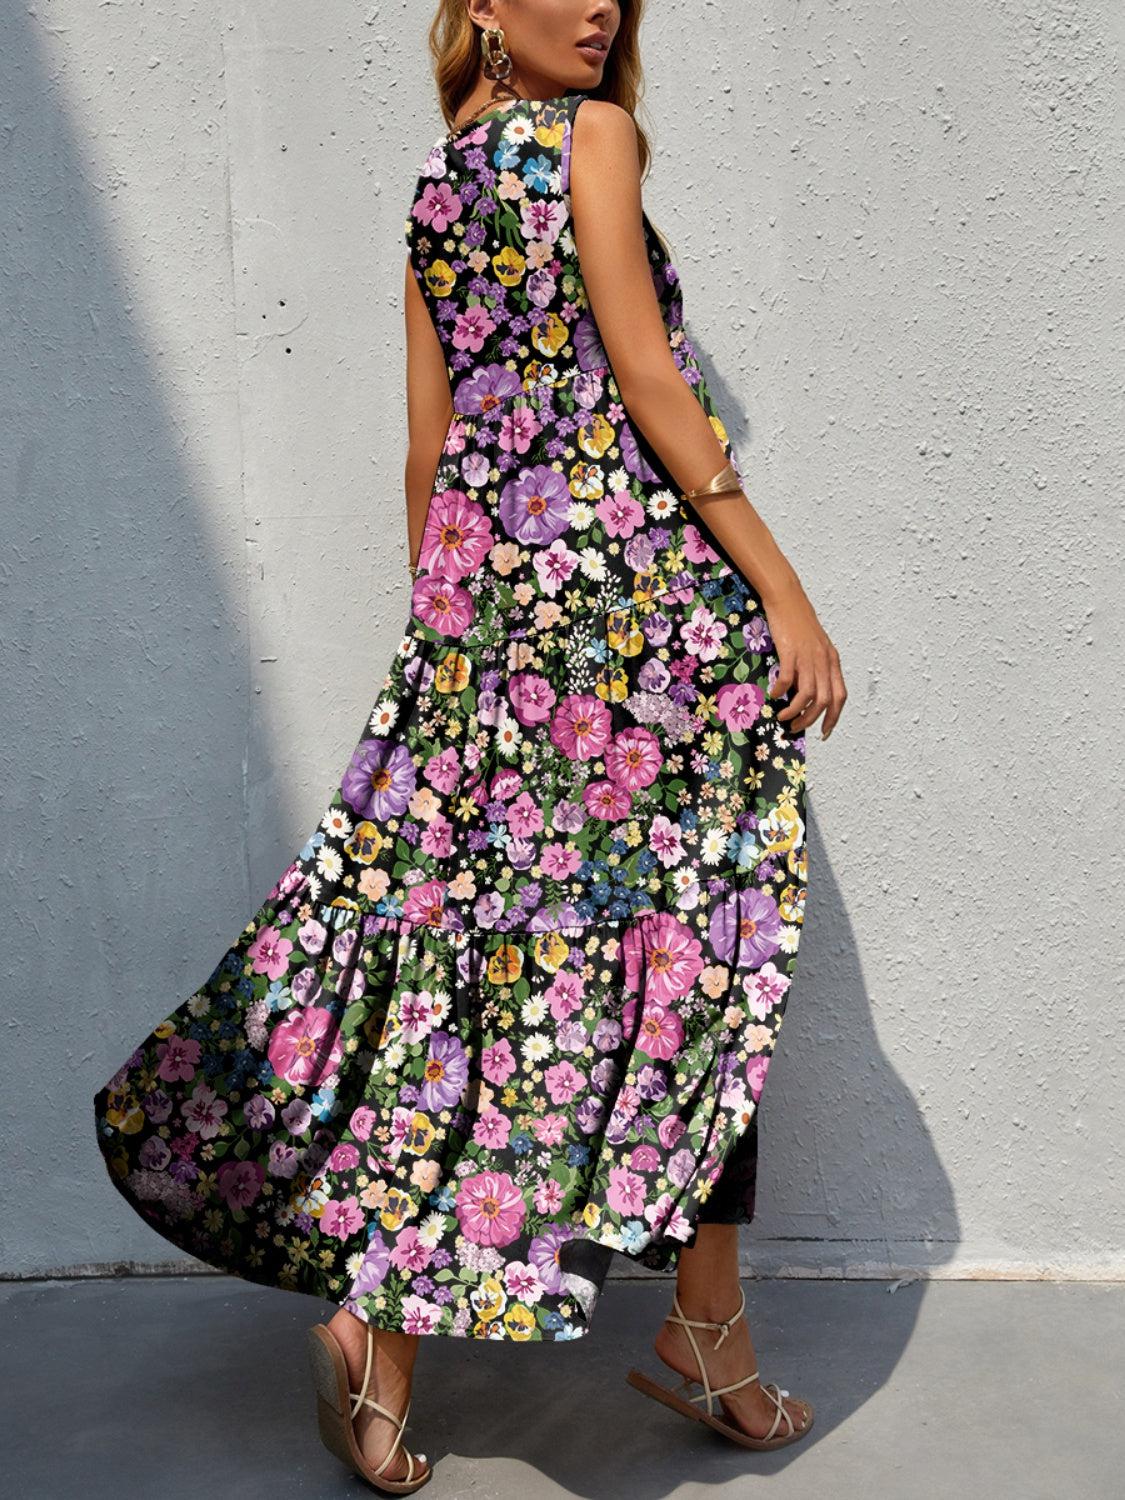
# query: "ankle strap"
677,1317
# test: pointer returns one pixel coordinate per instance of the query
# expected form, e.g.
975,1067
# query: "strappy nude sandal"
334,1414
671,1397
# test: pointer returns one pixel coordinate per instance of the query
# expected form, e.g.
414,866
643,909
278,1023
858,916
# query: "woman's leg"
392,1374
707,1284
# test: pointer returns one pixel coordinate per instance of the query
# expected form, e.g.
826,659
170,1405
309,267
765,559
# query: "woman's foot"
392,1369
749,1409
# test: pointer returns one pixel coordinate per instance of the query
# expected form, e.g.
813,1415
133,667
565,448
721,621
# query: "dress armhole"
568,140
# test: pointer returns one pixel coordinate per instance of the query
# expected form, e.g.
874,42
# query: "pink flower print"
765,990
492,1129
457,537
178,1058
581,727
517,428
203,1112
442,605
307,1046
738,704
550,1129
535,505
446,1072
563,1082
497,1062
239,1182
437,840
564,994
522,1281
548,1197
532,697
704,634
269,953
485,389
747,921
667,1218
410,1253
664,954
664,841
542,219
442,771
344,1158
438,207
525,816
696,550
418,1315
472,327
341,1217
661,1032
555,566
634,758
644,1158
626,1192
416,1015
560,860
604,799
424,906
362,1122
380,780
619,513
490,1208
756,1070
669,1130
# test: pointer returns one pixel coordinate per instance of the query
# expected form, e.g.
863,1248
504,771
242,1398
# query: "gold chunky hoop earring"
496,65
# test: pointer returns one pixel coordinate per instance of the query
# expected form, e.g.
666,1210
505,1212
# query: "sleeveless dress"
511,1008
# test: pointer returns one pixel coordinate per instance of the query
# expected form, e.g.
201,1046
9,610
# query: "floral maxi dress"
512,1006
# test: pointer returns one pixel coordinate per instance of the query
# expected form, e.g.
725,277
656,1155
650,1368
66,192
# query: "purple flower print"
380,780
373,1271
446,1072
543,1253
485,389
442,605
590,350
631,453
535,506
747,921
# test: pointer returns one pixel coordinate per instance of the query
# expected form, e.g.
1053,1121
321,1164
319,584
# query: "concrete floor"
196,1385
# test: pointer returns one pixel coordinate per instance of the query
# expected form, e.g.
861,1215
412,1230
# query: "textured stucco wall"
899,229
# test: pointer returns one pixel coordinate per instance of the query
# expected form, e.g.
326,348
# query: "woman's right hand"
809,662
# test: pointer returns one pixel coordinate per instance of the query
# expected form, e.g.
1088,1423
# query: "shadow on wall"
125,654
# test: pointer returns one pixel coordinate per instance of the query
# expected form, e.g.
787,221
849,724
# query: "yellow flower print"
509,266
624,634
550,133
720,430
420,1134
440,278
791,903
166,1028
505,965
549,335
591,1214
595,436
551,951
587,481
611,684
124,1112
520,1323
399,1206
488,1299
782,829
452,673
365,844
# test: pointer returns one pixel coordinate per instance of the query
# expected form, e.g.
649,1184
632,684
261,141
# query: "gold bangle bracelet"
723,482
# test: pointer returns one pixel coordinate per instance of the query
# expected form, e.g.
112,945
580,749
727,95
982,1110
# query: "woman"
511,1008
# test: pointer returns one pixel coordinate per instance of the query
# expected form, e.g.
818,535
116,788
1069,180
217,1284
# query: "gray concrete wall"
899,229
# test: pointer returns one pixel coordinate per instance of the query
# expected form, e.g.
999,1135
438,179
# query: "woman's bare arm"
605,200
429,406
